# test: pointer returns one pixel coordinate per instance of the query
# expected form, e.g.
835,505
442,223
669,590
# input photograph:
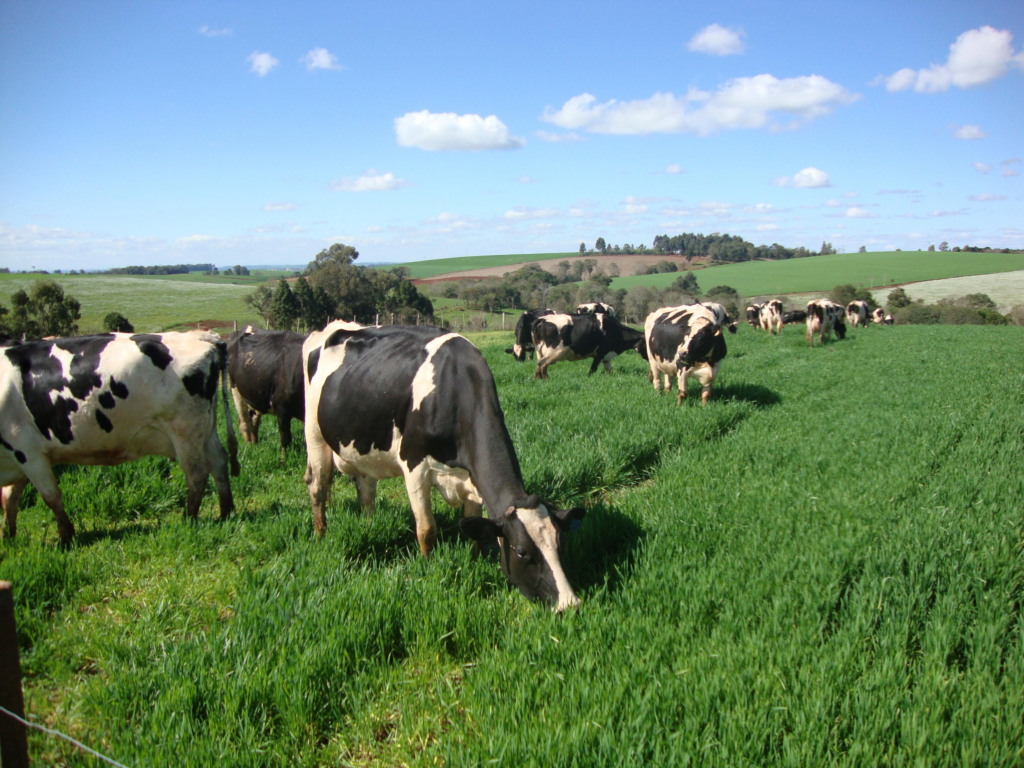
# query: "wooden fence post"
13,744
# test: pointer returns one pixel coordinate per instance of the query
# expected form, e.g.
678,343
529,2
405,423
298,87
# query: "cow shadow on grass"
602,553
755,394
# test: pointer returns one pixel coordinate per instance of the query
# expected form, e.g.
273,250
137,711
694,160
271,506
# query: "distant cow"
879,317
857,313
684,341
108,399
754,315
889,320
794,316
770,316
266,377
524,333
420,403
824,316
595,308
577,337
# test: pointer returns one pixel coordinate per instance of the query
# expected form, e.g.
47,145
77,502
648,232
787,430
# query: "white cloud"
745,102
833,203
374,229
446,132
967,132
982,167
320,58
986,197
634,209
261,63
280,207
674,168
859,213
767,227
527,180
371,181
851,194
208,31
1008,169
760,208
522,213
808,178
717,41
977,57
558,137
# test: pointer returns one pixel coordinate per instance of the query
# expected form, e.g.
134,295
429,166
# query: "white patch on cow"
517,350
423,382
558,320
541,529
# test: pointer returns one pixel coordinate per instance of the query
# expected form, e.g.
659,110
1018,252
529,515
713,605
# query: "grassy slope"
150,303
434,267
823,566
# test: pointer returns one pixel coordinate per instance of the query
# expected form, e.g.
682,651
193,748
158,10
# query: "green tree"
723,290
338,254
583,248
45,310
260,301
943,246
115,322
600,245
284,307
862,249
898,299
687,282
931,247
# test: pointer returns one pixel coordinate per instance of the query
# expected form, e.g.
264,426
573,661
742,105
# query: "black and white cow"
824,316
595,308
857,313
266,377
770,316
420,403
108,399
523,345
685,341
880,318
794,316
578,337
754,315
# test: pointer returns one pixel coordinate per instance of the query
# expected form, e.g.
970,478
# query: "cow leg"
681,386
366,490
418,486
319,473
607,366
11,498
42,477
245,417
284,429
197,471
217,461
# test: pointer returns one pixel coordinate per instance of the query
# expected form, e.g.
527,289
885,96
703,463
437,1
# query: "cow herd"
418,403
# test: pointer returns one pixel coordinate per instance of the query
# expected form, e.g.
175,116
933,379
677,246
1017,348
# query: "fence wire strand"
52,732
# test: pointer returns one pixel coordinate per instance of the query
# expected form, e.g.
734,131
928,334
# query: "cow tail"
222,354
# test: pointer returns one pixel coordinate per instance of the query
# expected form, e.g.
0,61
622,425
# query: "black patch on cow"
104,422
42,375
17,454
266,369
195,383
153,347
312,363
107,400
120,390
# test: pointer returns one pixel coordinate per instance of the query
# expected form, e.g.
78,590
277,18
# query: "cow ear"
510,351
480,528
732,328
569,520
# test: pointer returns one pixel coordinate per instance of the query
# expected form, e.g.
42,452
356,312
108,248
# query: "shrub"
1016,314
115,322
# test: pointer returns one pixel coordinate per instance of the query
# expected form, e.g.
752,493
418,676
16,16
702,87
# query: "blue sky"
259,133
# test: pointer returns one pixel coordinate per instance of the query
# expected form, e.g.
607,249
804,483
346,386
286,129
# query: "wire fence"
64,736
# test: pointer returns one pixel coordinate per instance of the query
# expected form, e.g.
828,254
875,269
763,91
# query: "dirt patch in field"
628,265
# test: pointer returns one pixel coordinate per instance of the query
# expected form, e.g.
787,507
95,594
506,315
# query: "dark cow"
595,308
794,316
577,337
770,316
108,399
824,316
754,315
857,313
420,403
524,333
685,341
266,377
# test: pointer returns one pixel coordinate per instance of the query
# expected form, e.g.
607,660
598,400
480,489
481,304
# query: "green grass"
824,566
822,273
434,267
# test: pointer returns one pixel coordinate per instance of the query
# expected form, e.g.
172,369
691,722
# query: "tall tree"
600,245
260,301
284,307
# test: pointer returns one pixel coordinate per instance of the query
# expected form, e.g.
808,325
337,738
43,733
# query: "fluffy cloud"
1008,169
527,180
447,132
261,63
986,198
280,207
859,213
208,31
977,57
320,58
967,132
746,102
718,41
522,213
808,178
767,227
371,181
982,167
558,137
674,168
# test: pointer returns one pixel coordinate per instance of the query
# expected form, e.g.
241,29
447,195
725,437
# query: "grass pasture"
824,566
435,267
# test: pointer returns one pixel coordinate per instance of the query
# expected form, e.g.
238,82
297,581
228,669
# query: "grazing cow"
889,320
857,313
685,341
595,308
795,316
524,333
420,403
824,316
770,316
754,315
880,318
577,337
266,377
108,399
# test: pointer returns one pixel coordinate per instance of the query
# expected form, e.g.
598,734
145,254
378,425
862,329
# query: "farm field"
821,567
151,303
435,267
1006,289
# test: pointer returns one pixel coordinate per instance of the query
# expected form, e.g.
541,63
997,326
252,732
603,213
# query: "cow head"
530,538
519,351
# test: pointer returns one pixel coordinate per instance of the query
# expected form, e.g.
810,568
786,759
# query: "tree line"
166,269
